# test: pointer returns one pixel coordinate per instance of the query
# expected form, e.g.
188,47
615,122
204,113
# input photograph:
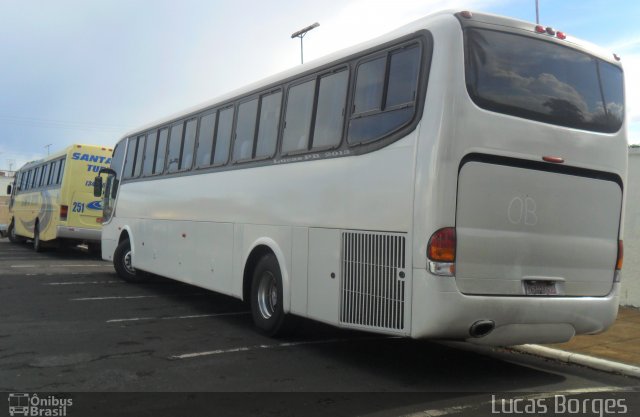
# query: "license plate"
540,288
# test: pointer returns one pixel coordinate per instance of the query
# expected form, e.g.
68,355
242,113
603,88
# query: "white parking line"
84,282
48,274
275,346
127,297
61,266
131,297
195,316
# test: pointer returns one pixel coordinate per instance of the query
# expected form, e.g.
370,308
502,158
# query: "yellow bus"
52,200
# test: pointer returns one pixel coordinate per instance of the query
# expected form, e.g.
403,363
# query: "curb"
579,359
549,353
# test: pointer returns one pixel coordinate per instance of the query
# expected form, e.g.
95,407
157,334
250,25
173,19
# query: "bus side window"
369,86
188,146
45,175
223,136
150,153
332,97
56,170
205,140
297,122
245,130
269,120
61,172
385,94
131,157
34,180
175,147
41,176
161,153
403,77
137,169
52,166
27,179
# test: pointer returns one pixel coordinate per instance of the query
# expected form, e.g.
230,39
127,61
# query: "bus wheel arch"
264,288
124,235
260,248
122,259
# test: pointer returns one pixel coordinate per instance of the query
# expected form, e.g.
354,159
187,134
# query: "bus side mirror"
97,186
9,189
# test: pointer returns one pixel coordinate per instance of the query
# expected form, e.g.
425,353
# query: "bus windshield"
543,81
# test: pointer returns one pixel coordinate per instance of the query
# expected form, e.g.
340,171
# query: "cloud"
360,20
11,160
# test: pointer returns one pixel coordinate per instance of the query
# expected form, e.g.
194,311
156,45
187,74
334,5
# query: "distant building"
6,178
630,294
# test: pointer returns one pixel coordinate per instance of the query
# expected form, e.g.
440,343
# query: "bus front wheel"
13,237
266,298
122,263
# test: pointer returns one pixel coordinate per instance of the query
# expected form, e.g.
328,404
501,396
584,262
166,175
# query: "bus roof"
419,24
62,152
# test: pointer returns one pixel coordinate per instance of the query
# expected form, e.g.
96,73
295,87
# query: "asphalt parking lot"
68,324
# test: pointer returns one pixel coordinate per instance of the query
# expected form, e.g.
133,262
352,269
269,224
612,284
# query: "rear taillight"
64,210
620,255
441,252
99,220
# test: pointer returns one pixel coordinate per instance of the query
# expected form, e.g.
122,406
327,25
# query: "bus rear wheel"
122,263
266,298
37,243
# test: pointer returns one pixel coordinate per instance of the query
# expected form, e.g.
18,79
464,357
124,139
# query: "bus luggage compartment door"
525,230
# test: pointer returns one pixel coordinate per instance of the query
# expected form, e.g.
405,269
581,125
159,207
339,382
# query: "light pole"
48,146
300,34
537,13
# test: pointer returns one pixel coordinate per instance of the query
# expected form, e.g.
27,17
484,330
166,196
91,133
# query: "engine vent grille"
373,280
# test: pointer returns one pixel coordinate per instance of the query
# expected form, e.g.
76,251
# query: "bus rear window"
543,81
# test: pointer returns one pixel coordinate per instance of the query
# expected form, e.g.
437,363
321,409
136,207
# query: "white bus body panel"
233,212
517,225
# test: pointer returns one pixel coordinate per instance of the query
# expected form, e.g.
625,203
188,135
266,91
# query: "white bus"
459,178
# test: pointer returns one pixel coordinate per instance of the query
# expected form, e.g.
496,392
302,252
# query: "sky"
78,71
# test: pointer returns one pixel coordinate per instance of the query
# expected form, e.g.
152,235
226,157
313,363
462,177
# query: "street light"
300,34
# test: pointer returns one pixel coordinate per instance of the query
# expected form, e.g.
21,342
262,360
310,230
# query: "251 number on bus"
78,207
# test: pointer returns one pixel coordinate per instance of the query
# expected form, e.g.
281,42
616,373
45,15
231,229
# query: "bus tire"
122,263
37,243
266,298
13,237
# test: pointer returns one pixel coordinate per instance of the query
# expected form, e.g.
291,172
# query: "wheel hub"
267,295
127,263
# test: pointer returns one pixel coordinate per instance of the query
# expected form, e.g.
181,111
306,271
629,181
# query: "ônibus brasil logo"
34,405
